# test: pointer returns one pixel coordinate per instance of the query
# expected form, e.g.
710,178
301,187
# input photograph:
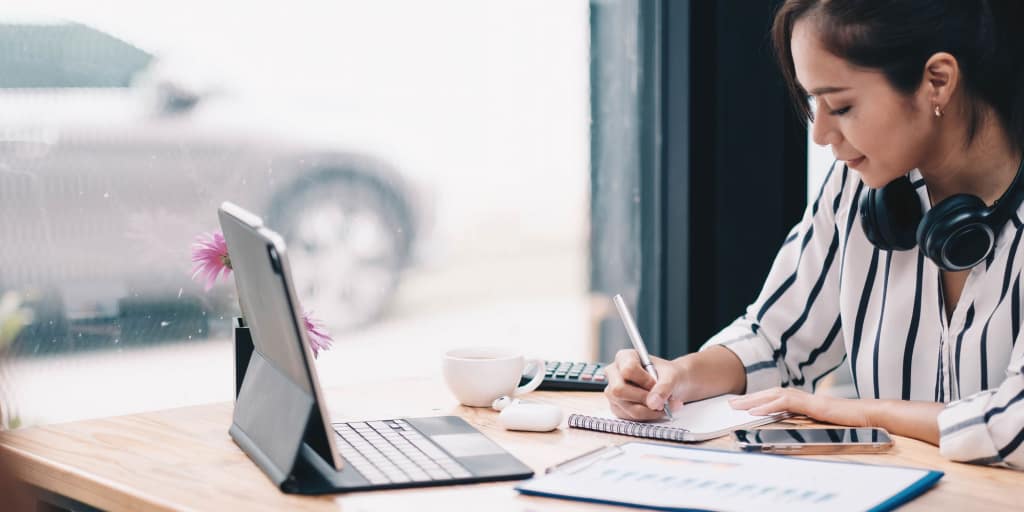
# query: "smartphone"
810,441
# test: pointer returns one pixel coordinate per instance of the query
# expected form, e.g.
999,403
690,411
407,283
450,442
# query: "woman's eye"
841,111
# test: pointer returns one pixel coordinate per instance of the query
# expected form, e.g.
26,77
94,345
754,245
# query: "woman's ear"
941,78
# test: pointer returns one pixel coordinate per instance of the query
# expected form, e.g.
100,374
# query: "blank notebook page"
710,415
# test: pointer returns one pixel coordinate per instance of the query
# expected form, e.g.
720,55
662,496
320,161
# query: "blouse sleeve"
988,427
791,335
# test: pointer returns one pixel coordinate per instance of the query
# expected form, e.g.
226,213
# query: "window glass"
37,54
428,164
819,160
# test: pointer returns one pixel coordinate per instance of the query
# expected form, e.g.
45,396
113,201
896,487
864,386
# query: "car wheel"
348,240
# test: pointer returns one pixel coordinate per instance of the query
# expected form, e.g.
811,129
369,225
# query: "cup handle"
537,379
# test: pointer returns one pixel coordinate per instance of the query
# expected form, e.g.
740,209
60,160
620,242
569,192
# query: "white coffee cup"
479,375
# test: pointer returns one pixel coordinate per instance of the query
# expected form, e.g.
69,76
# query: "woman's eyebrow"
827,90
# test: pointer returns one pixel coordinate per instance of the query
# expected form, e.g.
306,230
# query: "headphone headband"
1008,203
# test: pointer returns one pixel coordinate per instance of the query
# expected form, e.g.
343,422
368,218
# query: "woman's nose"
823,132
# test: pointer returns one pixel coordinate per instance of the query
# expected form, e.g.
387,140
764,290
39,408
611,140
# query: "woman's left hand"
826,409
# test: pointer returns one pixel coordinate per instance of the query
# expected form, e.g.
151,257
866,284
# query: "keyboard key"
460,473
418,475
451,467
398,477
377,479
429,449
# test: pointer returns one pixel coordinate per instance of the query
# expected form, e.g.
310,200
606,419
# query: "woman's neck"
985,169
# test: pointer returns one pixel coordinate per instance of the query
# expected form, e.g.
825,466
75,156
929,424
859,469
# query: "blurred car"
111,164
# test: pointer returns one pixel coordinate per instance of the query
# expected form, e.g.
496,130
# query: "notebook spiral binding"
626,427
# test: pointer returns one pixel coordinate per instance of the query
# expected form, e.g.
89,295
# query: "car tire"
348,239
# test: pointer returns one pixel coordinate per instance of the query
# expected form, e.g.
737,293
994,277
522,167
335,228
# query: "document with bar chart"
683,478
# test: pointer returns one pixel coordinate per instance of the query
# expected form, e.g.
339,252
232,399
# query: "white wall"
819,158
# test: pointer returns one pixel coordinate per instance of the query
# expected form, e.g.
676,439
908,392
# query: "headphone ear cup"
869,219
890,215
954,234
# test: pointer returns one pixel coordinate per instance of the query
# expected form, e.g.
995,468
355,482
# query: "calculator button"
586,376
598,378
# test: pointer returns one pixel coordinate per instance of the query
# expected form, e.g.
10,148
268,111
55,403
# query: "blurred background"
445,173
427,162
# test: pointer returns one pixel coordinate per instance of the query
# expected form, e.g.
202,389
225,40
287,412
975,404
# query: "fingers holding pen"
626,397
635,412
665,389
634,393
628,365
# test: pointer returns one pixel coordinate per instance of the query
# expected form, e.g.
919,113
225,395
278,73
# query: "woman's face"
879,132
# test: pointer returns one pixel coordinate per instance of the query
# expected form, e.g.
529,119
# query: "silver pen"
638,342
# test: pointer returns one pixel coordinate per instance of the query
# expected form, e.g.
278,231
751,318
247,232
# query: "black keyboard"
391,451
571,376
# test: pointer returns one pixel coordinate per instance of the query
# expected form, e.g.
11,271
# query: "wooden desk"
184,459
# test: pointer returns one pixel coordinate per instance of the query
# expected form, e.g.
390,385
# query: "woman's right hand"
634,395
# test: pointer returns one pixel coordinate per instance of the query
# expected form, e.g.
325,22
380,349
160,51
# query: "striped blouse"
831,297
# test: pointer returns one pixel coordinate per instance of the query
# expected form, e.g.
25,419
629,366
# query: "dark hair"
897,37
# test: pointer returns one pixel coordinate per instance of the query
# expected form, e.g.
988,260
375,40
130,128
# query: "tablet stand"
272,421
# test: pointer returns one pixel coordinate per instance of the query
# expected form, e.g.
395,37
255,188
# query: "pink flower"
210,258
211,261
319,339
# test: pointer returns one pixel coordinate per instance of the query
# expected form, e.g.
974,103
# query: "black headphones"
957,234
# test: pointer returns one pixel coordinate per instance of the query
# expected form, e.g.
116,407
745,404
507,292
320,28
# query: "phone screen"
814,436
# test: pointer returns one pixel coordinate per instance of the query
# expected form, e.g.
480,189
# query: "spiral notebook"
695,421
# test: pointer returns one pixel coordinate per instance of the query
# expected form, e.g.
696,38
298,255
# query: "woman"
920,100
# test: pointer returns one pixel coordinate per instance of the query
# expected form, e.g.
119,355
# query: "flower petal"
210,257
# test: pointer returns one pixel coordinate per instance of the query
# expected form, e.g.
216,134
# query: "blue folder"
616,475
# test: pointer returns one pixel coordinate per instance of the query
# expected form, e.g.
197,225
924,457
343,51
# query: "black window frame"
722,167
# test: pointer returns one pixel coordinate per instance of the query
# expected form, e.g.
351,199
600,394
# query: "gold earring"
938,111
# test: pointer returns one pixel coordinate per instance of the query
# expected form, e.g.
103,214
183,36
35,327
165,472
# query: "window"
61,54
428,164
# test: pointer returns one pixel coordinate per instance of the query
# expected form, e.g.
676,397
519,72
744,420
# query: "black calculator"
570,376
